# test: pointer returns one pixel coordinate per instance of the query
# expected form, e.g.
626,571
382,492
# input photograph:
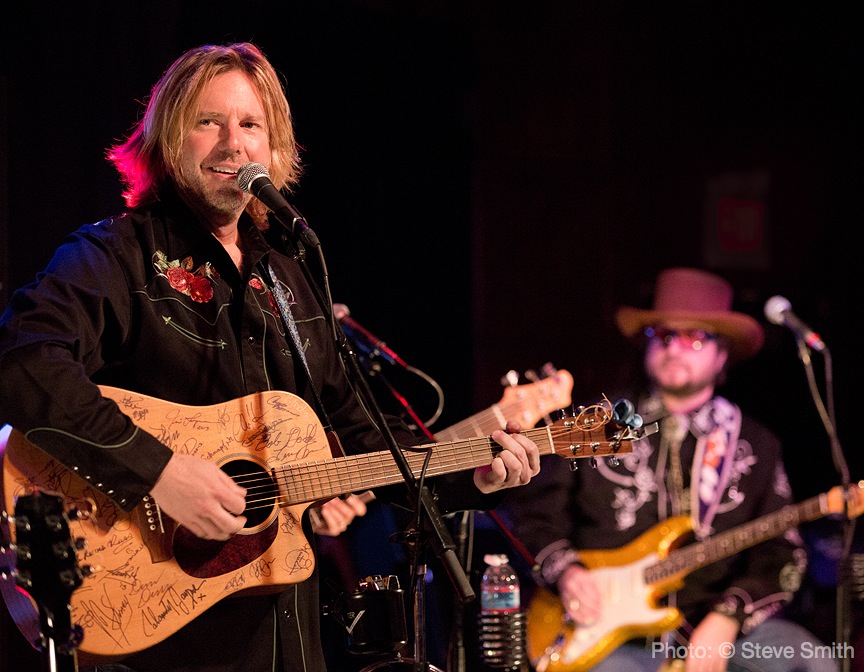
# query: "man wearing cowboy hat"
708,463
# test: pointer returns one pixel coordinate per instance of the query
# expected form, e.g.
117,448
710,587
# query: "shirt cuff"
552,561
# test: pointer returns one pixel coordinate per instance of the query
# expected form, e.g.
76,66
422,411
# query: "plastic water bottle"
501,625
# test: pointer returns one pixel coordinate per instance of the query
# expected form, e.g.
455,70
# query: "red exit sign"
740,224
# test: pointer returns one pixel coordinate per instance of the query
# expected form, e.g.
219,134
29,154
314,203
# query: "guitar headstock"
530,402
47,565
854,502
597,431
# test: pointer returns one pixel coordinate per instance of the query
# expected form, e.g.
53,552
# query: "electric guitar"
527,403
632,579
46,567
151,577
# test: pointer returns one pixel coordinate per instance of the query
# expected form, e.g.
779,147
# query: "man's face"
683,359
230,130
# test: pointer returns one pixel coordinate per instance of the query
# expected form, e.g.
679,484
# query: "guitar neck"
479,424
311,481
692,557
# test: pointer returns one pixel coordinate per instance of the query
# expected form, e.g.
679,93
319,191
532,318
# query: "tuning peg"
61,550
510,378
76,636
23,552
80,543
624,413
531,375
549,370
593,462
614,461
7,573
70,578
23,578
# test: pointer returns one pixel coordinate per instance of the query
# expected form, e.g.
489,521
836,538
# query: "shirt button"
251,339
287,614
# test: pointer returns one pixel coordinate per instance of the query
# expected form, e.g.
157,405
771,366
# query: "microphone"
369,342
778,310
253,178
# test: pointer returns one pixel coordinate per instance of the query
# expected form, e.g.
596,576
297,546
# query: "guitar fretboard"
692,557
310,481
324,479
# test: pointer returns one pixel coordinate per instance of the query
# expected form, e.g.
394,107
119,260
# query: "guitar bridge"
156,530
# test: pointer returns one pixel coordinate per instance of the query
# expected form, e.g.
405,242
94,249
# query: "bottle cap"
496,559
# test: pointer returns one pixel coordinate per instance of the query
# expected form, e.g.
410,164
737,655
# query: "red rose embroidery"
179,278
255,283
197,284
200,289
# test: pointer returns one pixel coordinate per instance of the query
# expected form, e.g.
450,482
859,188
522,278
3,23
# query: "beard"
216,203
679,380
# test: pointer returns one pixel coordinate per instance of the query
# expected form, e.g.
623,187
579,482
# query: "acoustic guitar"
633,578
151,577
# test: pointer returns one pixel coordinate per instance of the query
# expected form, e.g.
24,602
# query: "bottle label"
500,601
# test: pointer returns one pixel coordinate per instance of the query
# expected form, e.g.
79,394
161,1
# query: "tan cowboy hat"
684,295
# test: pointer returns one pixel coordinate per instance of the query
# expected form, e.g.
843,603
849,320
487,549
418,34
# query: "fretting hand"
516,464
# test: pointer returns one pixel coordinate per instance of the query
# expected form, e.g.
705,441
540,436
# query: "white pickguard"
626,600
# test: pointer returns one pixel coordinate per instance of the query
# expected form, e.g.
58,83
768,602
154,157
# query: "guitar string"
736,539
329,478
337,476
340,467
337,472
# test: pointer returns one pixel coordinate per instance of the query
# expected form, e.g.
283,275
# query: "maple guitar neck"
479,424
693,556
527,404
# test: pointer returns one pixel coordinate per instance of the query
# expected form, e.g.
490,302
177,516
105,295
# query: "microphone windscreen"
340,310
775,307
248,173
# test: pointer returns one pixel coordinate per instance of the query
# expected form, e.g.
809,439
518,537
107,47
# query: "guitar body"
150,579
629,604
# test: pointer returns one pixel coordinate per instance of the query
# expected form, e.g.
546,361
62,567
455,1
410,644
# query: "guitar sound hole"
261,492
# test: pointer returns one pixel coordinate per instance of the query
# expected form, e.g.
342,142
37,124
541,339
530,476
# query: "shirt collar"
185,234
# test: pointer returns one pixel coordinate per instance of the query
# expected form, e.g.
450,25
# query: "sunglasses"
692,338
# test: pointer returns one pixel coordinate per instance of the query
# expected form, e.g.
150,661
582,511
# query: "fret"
725,544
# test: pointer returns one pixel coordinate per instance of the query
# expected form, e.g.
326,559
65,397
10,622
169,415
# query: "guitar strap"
714,429
291,326
717,426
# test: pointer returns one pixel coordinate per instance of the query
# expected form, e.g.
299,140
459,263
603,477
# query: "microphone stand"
843,603
434,531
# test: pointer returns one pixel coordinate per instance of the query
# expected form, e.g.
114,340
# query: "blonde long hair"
150,155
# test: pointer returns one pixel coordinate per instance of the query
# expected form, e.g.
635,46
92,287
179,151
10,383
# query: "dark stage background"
490,180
